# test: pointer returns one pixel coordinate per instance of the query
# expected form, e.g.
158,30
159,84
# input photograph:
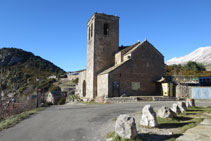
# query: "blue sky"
56,29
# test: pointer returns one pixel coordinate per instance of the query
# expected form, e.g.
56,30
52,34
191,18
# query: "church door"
116,89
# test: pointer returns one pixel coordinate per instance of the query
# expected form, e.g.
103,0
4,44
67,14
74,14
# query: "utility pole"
37,84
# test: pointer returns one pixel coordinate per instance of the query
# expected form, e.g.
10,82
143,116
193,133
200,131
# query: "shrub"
75,81
61,101
75,97
54,88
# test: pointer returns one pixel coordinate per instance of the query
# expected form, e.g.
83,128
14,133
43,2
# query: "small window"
89,33
105,29
91,29
135,86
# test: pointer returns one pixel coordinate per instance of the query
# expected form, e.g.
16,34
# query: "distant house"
52,77
54,96
73,75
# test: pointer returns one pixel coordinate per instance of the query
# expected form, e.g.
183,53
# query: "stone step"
164,99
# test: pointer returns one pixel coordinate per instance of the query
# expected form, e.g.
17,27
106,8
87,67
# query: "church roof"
125,49
113,68
140,44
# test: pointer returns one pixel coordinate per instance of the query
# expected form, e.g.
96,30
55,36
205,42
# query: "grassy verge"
92,102
184,121
117,138
13,120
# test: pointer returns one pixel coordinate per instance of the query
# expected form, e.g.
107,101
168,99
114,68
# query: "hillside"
19,70
200,55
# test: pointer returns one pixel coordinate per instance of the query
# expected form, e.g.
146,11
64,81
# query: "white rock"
148,117
166,112
188,104
109,139
175,108
125,126
182,106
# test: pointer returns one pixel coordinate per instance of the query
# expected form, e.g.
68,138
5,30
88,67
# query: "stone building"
113,71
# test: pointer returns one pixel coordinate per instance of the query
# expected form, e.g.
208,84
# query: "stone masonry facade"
113,71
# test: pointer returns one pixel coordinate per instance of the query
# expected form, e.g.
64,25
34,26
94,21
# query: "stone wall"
102,85
121,100
81,81
137,76
183,91
118,58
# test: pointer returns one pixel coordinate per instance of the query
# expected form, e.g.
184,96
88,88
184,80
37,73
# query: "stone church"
113,71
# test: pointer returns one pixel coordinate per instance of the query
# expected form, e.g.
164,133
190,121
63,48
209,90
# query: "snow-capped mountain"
200,55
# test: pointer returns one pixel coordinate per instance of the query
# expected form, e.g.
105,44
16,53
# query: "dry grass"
13,120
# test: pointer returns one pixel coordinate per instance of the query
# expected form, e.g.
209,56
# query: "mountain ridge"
200,55
19,70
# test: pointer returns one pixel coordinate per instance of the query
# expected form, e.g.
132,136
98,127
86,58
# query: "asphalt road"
73,122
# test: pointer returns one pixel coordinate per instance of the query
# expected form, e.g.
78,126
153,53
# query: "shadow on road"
173,125
155,137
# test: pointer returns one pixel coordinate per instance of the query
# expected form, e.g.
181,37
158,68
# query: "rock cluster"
125,125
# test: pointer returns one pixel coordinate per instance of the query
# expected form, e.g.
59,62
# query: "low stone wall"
138,99
164,99
121,100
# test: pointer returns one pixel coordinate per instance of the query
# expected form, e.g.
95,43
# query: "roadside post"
37,89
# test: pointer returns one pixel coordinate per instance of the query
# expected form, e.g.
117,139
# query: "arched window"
84,88
91,29
105,29
89,33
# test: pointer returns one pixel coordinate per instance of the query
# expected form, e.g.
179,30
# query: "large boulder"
148,117
125,126
175,108
182,106
166,112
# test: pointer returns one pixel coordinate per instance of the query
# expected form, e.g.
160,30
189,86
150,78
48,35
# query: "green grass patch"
184,121
13,120
114,119
117,138
110,135
70,98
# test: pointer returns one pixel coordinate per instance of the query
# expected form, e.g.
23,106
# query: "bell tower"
102,44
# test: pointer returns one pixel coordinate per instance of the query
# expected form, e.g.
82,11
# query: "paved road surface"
72,122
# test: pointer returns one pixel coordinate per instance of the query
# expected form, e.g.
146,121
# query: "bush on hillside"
191,68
